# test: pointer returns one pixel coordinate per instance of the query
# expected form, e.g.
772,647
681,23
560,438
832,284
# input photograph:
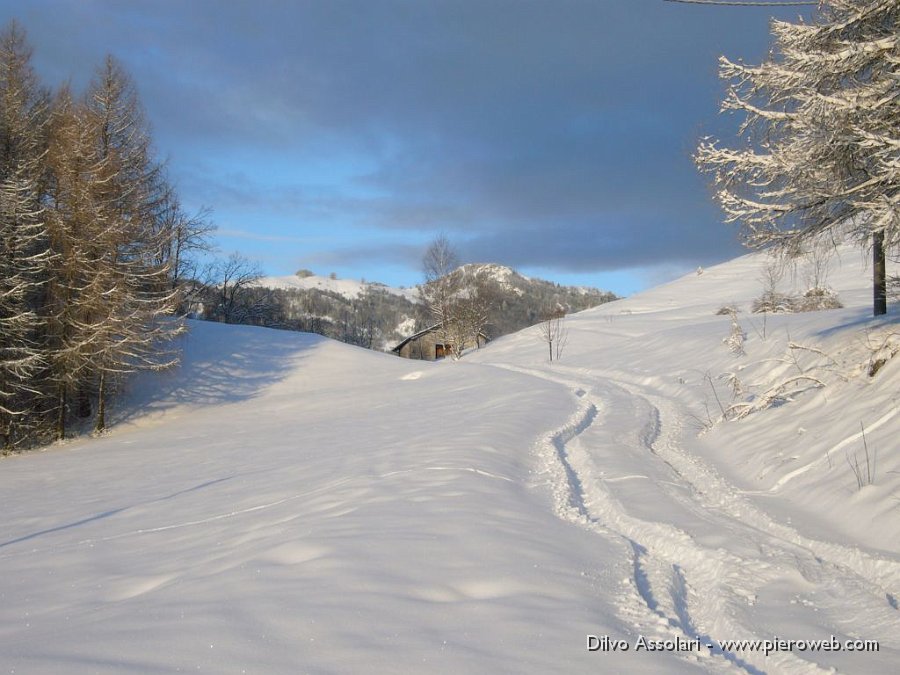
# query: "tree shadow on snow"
862,318
219,364
109,513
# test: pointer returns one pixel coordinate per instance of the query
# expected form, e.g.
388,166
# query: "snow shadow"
109,513
862,318
219,364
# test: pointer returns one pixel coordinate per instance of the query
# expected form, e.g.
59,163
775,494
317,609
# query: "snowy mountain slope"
377,316
504,278
348,288
286,503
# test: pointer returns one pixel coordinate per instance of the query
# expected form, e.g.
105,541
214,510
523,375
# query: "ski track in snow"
693,582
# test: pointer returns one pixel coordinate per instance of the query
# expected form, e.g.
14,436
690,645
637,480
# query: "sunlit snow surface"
284,503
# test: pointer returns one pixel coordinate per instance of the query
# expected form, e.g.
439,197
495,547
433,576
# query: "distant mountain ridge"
378,316
348,288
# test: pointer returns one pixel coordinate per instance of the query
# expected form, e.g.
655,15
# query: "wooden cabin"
430,345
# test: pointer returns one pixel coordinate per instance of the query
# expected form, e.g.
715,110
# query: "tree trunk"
101,405
83,399
879,274
5,434
61,413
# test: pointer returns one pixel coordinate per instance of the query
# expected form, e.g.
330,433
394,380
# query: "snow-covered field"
284,503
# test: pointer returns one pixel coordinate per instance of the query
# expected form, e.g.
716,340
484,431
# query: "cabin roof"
425,331
415,336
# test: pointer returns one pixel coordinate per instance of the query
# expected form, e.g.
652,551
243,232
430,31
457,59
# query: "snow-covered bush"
773,302
881,350
812,300
816,299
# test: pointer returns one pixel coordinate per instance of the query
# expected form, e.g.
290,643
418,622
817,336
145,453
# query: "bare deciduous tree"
188,240
133,298
476,303
234,277
554,332
441,290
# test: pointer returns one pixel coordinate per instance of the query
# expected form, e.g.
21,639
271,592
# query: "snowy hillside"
348,288
377,316
285,503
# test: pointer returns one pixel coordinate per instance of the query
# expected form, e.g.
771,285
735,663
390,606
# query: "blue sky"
342,136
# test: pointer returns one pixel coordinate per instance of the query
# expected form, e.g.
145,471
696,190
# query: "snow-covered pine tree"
89,231
822,120
131,301
73,289
24,253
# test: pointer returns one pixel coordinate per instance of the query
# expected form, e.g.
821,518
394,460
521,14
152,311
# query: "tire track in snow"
664,556
713,491
667,563
639,603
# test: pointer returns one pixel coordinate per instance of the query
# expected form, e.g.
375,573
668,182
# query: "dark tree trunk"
61,413
879,274
84,403
101,405
5,434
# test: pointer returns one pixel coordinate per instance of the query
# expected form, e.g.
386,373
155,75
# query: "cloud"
554,134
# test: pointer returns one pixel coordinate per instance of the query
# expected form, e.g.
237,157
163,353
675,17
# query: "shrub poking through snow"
735,340
865,475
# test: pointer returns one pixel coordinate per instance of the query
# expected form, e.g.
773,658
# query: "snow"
501,275
348,288
285,503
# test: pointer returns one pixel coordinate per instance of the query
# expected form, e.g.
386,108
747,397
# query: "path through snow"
706,562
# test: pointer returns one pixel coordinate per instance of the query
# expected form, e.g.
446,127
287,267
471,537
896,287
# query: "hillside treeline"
517,302
375,319
378,318
92,244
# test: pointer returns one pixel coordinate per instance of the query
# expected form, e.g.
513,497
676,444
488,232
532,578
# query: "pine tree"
24,253
89,233
73,289
130,301
822,119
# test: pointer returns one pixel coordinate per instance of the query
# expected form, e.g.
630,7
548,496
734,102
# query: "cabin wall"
423,347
